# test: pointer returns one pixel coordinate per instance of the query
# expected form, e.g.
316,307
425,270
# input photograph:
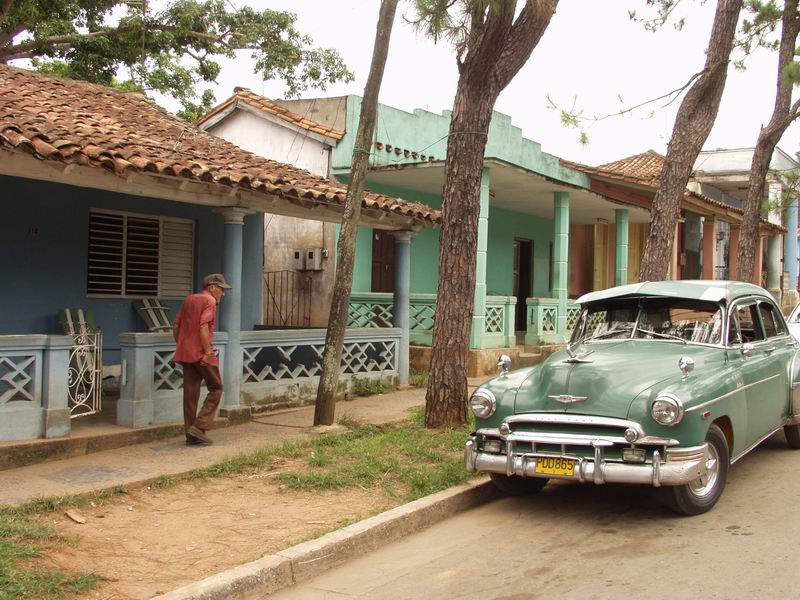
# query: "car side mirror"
748,349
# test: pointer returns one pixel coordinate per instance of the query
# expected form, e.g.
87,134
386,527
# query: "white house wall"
282,235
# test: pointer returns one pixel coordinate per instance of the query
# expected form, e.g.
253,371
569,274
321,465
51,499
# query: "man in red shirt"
194,333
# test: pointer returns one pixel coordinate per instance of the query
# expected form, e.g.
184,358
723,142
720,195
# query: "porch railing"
278,367
34,393
542,321
373,309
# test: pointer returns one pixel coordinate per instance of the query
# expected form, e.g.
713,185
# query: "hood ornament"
567,398
574,357
686,365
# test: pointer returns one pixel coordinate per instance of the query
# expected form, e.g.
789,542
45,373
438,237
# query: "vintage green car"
662,383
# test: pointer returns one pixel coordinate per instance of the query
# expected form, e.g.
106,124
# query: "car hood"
613,376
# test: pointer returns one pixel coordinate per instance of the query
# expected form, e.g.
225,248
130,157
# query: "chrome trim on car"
751,446
567,398
731,393
561,418
598,469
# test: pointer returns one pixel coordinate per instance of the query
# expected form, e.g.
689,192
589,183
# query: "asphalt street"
584,541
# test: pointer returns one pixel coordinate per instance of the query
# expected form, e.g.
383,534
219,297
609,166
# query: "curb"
301,562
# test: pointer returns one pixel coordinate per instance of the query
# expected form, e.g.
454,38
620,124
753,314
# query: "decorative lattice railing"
542,320
34,388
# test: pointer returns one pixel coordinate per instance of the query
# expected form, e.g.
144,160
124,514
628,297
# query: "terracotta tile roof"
244,96
77,122
645,169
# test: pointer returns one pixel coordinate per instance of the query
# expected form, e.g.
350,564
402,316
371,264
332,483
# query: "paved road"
612,541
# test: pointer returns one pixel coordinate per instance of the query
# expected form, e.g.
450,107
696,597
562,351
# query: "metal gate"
85,374
287,299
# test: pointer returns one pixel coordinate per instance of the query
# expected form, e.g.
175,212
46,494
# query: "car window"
749,325
734,337
773,324
690,320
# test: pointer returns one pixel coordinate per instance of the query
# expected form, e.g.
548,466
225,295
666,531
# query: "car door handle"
770,350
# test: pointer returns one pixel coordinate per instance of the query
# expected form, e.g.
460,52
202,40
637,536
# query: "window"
138,256
773,324
749,326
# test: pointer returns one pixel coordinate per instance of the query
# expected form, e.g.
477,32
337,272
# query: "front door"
382,261
523,259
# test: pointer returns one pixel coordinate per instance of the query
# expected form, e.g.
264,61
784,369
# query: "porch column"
402,299
709,248
774,267
674,267
560,258
790,244
479,301
231,306
759,261
55,386
733,253
621,269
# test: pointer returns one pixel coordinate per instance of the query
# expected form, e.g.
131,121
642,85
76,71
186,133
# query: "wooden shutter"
177,259
141,256
106,249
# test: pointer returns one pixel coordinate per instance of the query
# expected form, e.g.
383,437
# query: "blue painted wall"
43,246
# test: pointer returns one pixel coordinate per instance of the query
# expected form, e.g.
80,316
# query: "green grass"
418,379
370,387
22,540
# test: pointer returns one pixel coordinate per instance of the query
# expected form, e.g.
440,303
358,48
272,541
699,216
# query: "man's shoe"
199,434
193,441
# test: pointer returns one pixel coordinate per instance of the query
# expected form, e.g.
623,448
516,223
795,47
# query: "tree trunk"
782,116
693,123
340,302
494,57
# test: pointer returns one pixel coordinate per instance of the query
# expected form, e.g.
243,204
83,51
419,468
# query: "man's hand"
208,355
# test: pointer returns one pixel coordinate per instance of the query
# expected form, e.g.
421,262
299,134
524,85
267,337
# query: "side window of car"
734,339
773,324
749,324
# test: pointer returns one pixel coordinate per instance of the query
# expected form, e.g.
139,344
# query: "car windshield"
672,319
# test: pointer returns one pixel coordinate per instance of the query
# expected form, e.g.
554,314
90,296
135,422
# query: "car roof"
710,290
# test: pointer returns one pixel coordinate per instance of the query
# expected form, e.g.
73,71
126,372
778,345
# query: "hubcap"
705,484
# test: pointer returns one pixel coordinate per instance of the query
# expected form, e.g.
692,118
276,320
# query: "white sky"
590,50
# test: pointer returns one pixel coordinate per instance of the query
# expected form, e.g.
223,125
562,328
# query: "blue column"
252,271
790,244
231,306
621,256
560,258
402,299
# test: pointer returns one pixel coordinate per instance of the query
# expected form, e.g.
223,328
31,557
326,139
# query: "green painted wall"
425,133
504,226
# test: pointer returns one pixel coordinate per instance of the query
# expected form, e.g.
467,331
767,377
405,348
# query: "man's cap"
215,279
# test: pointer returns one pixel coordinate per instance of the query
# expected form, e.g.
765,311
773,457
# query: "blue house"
111,199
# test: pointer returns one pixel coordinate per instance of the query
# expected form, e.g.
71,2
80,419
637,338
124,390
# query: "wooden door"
522,277
382,261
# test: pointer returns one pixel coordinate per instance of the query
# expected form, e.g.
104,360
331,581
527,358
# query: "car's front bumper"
677,467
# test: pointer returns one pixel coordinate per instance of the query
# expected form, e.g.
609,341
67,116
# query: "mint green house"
529,201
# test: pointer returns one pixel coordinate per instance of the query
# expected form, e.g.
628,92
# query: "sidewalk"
141,463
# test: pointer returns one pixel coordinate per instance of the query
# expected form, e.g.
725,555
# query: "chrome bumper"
680,465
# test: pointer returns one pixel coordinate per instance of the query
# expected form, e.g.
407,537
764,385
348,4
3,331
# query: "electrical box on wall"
298,259
313,257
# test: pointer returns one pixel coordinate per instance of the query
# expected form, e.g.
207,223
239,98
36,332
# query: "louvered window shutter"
177,259
140,256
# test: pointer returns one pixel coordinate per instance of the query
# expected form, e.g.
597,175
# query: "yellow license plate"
555,466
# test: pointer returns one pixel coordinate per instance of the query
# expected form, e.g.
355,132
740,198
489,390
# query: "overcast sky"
590,50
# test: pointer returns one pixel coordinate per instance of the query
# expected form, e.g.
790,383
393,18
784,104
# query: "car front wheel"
792,433
702,494
517,486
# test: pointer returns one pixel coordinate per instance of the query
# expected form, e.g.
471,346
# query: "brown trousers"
193,376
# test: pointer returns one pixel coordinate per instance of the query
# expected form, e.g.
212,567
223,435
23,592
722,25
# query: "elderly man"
194,333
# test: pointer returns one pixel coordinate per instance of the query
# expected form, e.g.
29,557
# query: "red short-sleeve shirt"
196,310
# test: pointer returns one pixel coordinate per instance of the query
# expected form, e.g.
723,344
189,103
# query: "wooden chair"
155,315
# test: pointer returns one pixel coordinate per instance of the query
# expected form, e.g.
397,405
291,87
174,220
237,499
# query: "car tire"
792,433
700,496
518,486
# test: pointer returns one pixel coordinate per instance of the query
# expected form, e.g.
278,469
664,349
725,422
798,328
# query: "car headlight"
667,410
483,403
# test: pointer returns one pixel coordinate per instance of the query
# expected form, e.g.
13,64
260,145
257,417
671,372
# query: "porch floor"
137,465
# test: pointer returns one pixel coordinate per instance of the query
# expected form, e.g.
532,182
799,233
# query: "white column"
402,299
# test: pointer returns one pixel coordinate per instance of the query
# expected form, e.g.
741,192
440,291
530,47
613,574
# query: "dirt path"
155,540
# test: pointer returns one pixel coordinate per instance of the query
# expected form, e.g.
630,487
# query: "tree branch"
525,35
5,6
